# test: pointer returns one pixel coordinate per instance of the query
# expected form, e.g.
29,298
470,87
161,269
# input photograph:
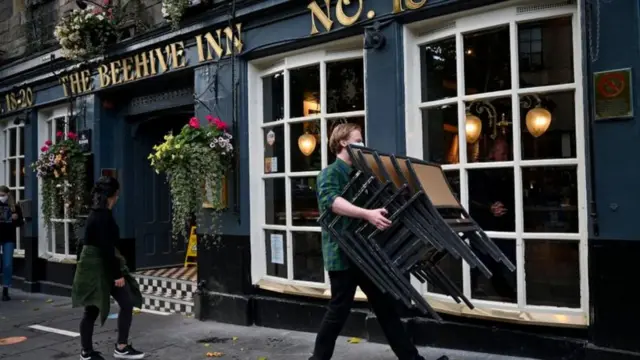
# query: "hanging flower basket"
198,156
173,10
62,168
87,33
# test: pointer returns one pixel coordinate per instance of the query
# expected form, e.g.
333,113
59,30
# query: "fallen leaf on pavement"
235,338
262,358
206,345
354,340
137,311
49,301
215,354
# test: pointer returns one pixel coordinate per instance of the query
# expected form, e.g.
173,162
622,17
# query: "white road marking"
155,312
54,330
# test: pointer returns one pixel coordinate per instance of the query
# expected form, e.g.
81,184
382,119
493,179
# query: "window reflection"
345,86
552,273
491,198
273,150
273,97
274,199
488,130
440,134
438,70
453,177
545,52
453,269
487,64
307,257
304,94
304,202
502,285
550,199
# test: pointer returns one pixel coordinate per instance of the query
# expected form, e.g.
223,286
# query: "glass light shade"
473,128
307,143
538,121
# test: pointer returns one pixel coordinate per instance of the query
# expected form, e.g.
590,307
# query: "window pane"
453,269
50,132
276,246
438,70
345,86
273,97
331,124
307,257
502,286
60,125
304,92
12,173
274,198
59,237
550,199
13,133
491,198
21,195
552,273
440,134
546,137
304,203
73,241
487,61
305,138
488,129
21,138
453,177
273,150
552,40
21,172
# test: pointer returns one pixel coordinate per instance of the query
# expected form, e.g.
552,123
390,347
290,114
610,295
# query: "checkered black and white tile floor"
168,290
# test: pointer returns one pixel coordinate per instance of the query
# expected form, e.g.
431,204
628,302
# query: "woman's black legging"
121,295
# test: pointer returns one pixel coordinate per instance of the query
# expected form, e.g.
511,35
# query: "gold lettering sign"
210,44
19,99
325,17
408,5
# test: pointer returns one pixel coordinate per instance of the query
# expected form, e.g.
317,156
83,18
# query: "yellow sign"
210,45
192,248
326,17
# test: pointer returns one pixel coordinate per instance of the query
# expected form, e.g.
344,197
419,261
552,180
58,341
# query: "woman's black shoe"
91,355
5,294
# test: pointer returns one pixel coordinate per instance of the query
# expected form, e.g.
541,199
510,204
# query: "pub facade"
527,105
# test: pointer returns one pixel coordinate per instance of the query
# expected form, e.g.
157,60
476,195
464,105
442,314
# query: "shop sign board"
613,94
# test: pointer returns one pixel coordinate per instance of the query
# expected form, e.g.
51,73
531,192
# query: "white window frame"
348,49
5,126
44,118
456,25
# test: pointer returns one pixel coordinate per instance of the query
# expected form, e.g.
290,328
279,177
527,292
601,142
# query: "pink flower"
72,135
194,123
221,125
48,143
210,119
59,134
44,149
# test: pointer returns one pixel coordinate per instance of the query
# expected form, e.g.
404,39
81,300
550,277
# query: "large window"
59,240
13,169
296,101
498,102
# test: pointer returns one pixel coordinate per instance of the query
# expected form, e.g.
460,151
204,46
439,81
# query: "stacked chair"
428,224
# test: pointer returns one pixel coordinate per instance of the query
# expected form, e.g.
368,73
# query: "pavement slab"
174,337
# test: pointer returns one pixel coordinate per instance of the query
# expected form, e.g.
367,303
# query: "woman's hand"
498,209
120,282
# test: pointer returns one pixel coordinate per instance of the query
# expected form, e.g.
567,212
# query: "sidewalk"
171,337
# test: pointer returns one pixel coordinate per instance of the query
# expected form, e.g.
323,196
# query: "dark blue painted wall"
616,143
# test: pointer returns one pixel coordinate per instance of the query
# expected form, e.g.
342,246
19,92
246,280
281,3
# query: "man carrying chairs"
344,275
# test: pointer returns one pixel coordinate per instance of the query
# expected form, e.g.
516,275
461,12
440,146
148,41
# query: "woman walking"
10,220
102,272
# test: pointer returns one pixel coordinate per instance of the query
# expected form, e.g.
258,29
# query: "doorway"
155,246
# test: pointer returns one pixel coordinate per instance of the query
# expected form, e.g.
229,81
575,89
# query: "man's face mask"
358,144
4,198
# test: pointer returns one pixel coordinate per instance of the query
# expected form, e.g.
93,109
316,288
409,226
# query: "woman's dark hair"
104,188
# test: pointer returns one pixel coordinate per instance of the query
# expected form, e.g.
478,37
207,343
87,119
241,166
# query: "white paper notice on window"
277,249
274,164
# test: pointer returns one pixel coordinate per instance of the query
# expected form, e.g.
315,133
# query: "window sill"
573,320
18,253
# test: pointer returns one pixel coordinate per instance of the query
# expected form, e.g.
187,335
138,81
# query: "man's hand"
377,218
14,216
498,209
120,282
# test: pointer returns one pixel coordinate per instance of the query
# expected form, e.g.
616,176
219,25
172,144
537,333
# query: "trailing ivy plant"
195,162
62,169
173,10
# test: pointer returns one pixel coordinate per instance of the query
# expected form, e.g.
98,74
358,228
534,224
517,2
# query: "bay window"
13,167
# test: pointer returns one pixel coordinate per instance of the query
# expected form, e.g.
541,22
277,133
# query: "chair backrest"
434,183
387,163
